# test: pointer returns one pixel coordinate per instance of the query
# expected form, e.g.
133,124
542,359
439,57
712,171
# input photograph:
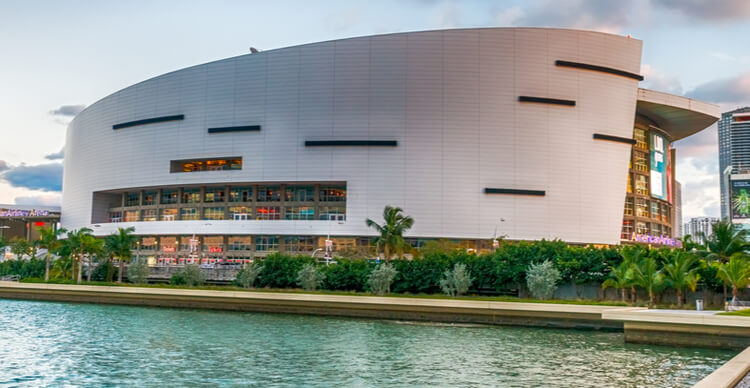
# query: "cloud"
708,10
605,16
56,155
729,92
657,80
67,110
3,165
45,177
700,186
47,199
508,16
448,15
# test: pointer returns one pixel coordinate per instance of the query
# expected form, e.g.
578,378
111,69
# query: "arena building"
527,133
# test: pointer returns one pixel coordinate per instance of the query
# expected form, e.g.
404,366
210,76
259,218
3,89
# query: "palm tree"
689,243
646,274
92,247
725,240
631,256
77,245
680,273
392,230
21,247
735,273
121,245
619,277
48,240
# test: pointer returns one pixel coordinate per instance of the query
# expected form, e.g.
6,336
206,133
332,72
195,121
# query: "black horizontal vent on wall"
492,190
602,69
148,121
334,143
601,136
243,128
544,100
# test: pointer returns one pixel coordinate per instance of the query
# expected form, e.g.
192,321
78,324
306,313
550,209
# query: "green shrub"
102,270
248,274
280,270
32,268
190,276
421,275
138,272
541,279
310,277
381,278
347,275
456,281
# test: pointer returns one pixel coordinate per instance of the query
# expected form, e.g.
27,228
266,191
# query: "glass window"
239,243
266,243
189,213
190,244
240,194
191,196
655,210
269,194
214,194
332,213
268,213
630,183
333,194
299,243
640,161
168,244
168,214
131,216
132,198
300,193
115,216
627,230
148,215
641,140
213,244
168,197
205,165
148,243
149,198
628,206
240,213
300,213
666,213
213,213
641,227
641,184
641,208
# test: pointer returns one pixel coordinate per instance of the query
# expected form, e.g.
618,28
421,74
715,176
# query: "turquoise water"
58,344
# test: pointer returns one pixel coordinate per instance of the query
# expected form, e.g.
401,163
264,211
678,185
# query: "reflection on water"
93,345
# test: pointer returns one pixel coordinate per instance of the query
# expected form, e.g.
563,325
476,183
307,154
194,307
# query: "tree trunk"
633,295
387,254
110,270
119,272
725,294
72,267
679,298
46,267
734,294
623,294
88,273
650,298
80,269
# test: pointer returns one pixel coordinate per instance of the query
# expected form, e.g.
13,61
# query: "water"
56,344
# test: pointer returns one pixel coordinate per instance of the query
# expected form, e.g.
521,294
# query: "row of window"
217,244
291,193
644,208
236,213
640,227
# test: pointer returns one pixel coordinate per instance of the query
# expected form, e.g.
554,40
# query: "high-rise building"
734,151
679,231
700,227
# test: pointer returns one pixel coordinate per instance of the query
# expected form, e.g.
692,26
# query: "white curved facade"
450,99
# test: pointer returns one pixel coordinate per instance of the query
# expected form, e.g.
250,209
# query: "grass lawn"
352,293
741,313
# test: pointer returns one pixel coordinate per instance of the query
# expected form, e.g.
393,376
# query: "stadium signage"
657,240
23,213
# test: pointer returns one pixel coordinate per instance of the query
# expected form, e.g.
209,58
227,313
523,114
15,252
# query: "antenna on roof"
254,50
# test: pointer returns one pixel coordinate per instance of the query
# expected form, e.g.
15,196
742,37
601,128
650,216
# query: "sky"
58,57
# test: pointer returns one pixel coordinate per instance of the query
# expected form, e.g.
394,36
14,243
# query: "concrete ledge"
729,374
422,309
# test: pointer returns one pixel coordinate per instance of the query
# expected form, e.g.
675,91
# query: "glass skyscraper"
734,150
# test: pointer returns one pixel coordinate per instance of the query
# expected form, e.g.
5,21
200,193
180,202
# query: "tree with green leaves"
77,244
391,238
20,247
689,243
680,272
725,240
121,245
735,273
646,274
632,255
620,277
48,239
